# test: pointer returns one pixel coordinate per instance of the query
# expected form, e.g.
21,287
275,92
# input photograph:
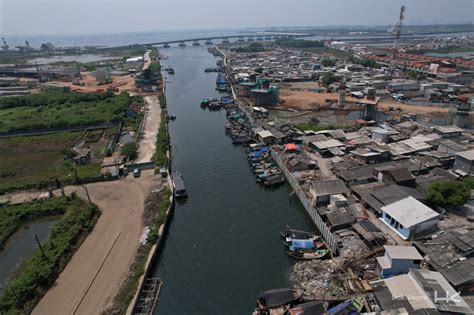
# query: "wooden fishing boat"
302,255
276,300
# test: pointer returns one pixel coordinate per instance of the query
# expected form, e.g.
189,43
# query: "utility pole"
41,248
87,193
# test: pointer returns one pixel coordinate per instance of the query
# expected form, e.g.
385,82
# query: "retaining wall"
318,221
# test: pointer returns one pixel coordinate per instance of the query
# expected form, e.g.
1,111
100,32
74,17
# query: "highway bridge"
227,39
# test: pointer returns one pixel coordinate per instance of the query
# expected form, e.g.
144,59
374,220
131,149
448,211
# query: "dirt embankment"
150,130
95,273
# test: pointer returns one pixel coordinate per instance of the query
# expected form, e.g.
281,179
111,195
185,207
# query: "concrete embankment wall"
318,221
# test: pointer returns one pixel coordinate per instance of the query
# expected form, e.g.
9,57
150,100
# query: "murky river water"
223,246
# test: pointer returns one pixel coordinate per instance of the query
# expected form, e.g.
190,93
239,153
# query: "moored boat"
178,185
276,300
309,255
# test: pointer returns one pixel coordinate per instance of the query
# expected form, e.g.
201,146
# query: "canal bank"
223,246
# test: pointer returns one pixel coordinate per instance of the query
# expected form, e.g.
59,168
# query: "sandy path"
146,60
150,130
96,271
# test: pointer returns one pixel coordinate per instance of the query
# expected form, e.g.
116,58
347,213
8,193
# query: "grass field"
35,162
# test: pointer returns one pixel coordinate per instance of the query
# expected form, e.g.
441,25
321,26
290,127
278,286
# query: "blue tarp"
259,152
346,306
302,244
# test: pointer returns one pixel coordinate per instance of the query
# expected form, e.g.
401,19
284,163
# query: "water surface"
223,246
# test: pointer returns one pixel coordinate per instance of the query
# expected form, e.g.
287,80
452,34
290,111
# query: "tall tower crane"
398,33
5,46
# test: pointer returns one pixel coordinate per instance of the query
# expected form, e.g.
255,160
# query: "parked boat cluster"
288,301
215,103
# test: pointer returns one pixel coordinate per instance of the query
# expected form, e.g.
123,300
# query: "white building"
397,260
410,218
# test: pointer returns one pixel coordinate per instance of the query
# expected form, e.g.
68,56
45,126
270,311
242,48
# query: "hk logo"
448,298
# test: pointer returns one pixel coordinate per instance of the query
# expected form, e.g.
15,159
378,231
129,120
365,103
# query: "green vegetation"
450,194
251,48
415,75
41,269
39,162
160,216
56,109
328,78
328,62
130,150
315,125
451,49
368,63
162,99
160,157
153,52
162,144
299,43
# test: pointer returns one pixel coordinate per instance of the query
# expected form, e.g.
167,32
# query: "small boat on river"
303,255
277,301
178,185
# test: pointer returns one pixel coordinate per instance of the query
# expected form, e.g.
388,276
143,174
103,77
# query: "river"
223,246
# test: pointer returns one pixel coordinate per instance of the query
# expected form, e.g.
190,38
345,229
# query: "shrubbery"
299,43
56,109
450,193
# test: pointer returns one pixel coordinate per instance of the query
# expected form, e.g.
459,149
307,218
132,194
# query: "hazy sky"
103,16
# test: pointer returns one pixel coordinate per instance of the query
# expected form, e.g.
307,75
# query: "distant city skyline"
105,16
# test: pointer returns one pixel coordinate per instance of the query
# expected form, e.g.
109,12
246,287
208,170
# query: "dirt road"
146,60
150,130
96,271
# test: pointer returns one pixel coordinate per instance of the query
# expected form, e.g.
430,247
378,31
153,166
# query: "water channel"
223,246
20,246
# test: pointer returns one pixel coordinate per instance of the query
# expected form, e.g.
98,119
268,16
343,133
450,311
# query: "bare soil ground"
303,99
95,273
122,83
150,131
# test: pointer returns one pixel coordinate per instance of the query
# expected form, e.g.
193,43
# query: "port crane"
5,46
398,34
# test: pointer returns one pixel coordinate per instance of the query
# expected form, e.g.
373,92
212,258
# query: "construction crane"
5,46
398,33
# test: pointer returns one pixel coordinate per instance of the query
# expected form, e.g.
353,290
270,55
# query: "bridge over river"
227,39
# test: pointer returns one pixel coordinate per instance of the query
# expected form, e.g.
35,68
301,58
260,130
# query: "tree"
448,194
130,150
412,74
328,62
328,78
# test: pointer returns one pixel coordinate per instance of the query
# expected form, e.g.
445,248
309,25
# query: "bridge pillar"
259,37
250,39
166,45
241,39
182,44
196,43
225,40
208,42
